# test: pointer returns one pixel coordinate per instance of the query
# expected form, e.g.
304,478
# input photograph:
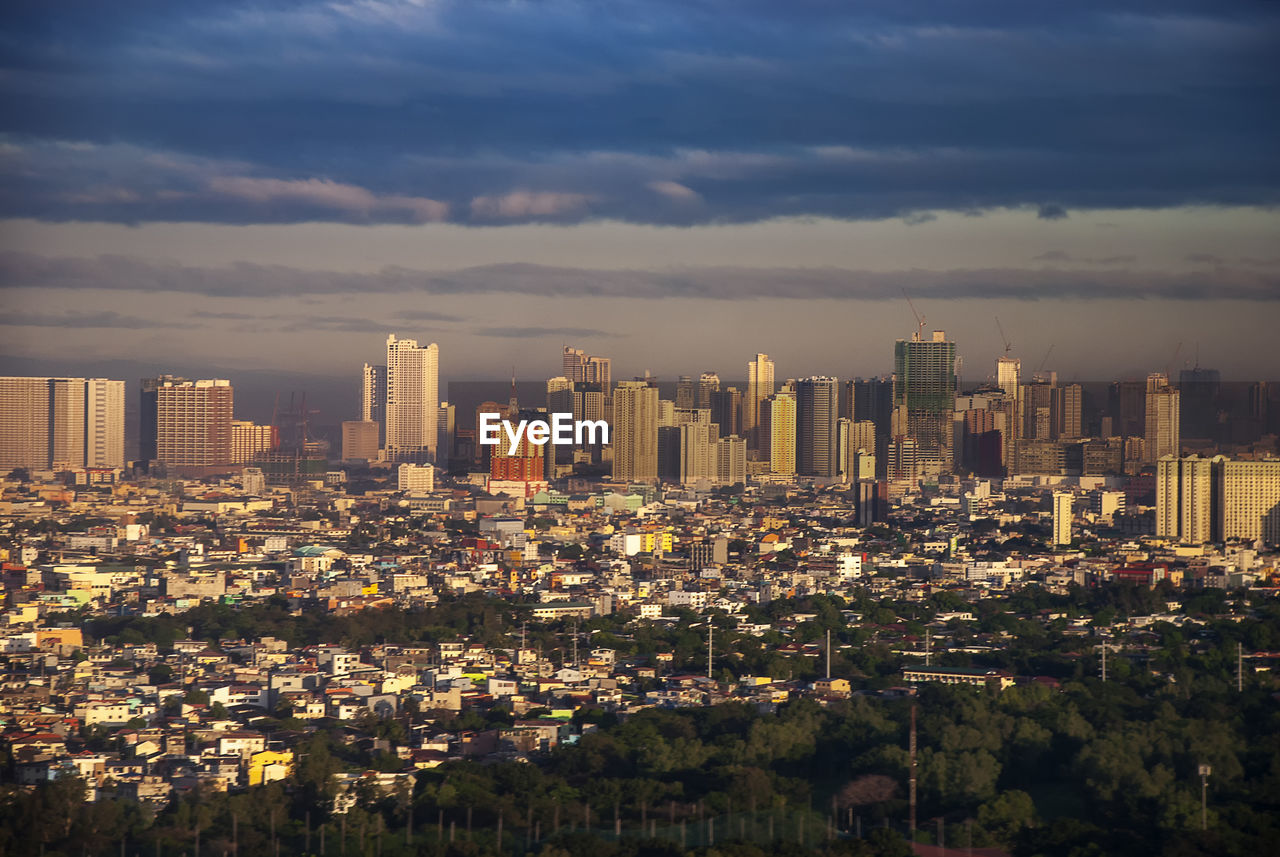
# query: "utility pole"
828,653
1239,667
911,833
927,641
1104,661
1205,771
711,629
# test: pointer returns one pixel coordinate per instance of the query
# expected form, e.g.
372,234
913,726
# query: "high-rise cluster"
61,423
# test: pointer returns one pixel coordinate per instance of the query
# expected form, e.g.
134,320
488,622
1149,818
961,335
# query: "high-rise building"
1062,518
104,423
373,396
697,445
686,396
1201,390
66,422
778,417
416,478
248,439
559,395
759,388
24,422
360,440
731,461
193,423
708,386
1162,419
1068,411
413,398
61,423
872,399
816,436
1218,499
1126,405
924,393
726,411
1008,371
635,432
580,367
1036,401
1250,505
446,433
1185,501
526,464
859,437
147,413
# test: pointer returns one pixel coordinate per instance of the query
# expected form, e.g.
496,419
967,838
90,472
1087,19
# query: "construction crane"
1008,346
1043,362
1168,370
919,317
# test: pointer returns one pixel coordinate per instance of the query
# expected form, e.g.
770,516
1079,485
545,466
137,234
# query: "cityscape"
251,614
655,428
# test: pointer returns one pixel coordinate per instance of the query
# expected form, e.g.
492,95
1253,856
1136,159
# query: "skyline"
240,183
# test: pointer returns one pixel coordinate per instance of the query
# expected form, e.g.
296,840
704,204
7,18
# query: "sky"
276,186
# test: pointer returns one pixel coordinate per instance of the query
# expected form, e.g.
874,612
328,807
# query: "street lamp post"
1205,771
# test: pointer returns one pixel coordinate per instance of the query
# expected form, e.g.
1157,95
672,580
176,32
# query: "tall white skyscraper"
104,423
759,388
1062,518
413,400
1008,370
1163,418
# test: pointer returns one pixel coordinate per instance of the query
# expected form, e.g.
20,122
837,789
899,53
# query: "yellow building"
269,766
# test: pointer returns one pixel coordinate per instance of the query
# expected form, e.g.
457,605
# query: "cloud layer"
130,274
655,111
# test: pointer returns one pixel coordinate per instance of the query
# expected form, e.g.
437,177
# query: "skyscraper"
1186,501
1061,518
581,367
759,388
61,422
1126,405
104,423
872,399
1008,370
635,432
193,423
373,396
446,431
24,422
66,422
249,438
147,413
1068,406
686,397
1201,389
726,411
816,436
924,394
778,415
708,386
1162,419
413,398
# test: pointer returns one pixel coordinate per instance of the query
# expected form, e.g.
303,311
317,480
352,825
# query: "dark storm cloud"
77,320
242,280
662,111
